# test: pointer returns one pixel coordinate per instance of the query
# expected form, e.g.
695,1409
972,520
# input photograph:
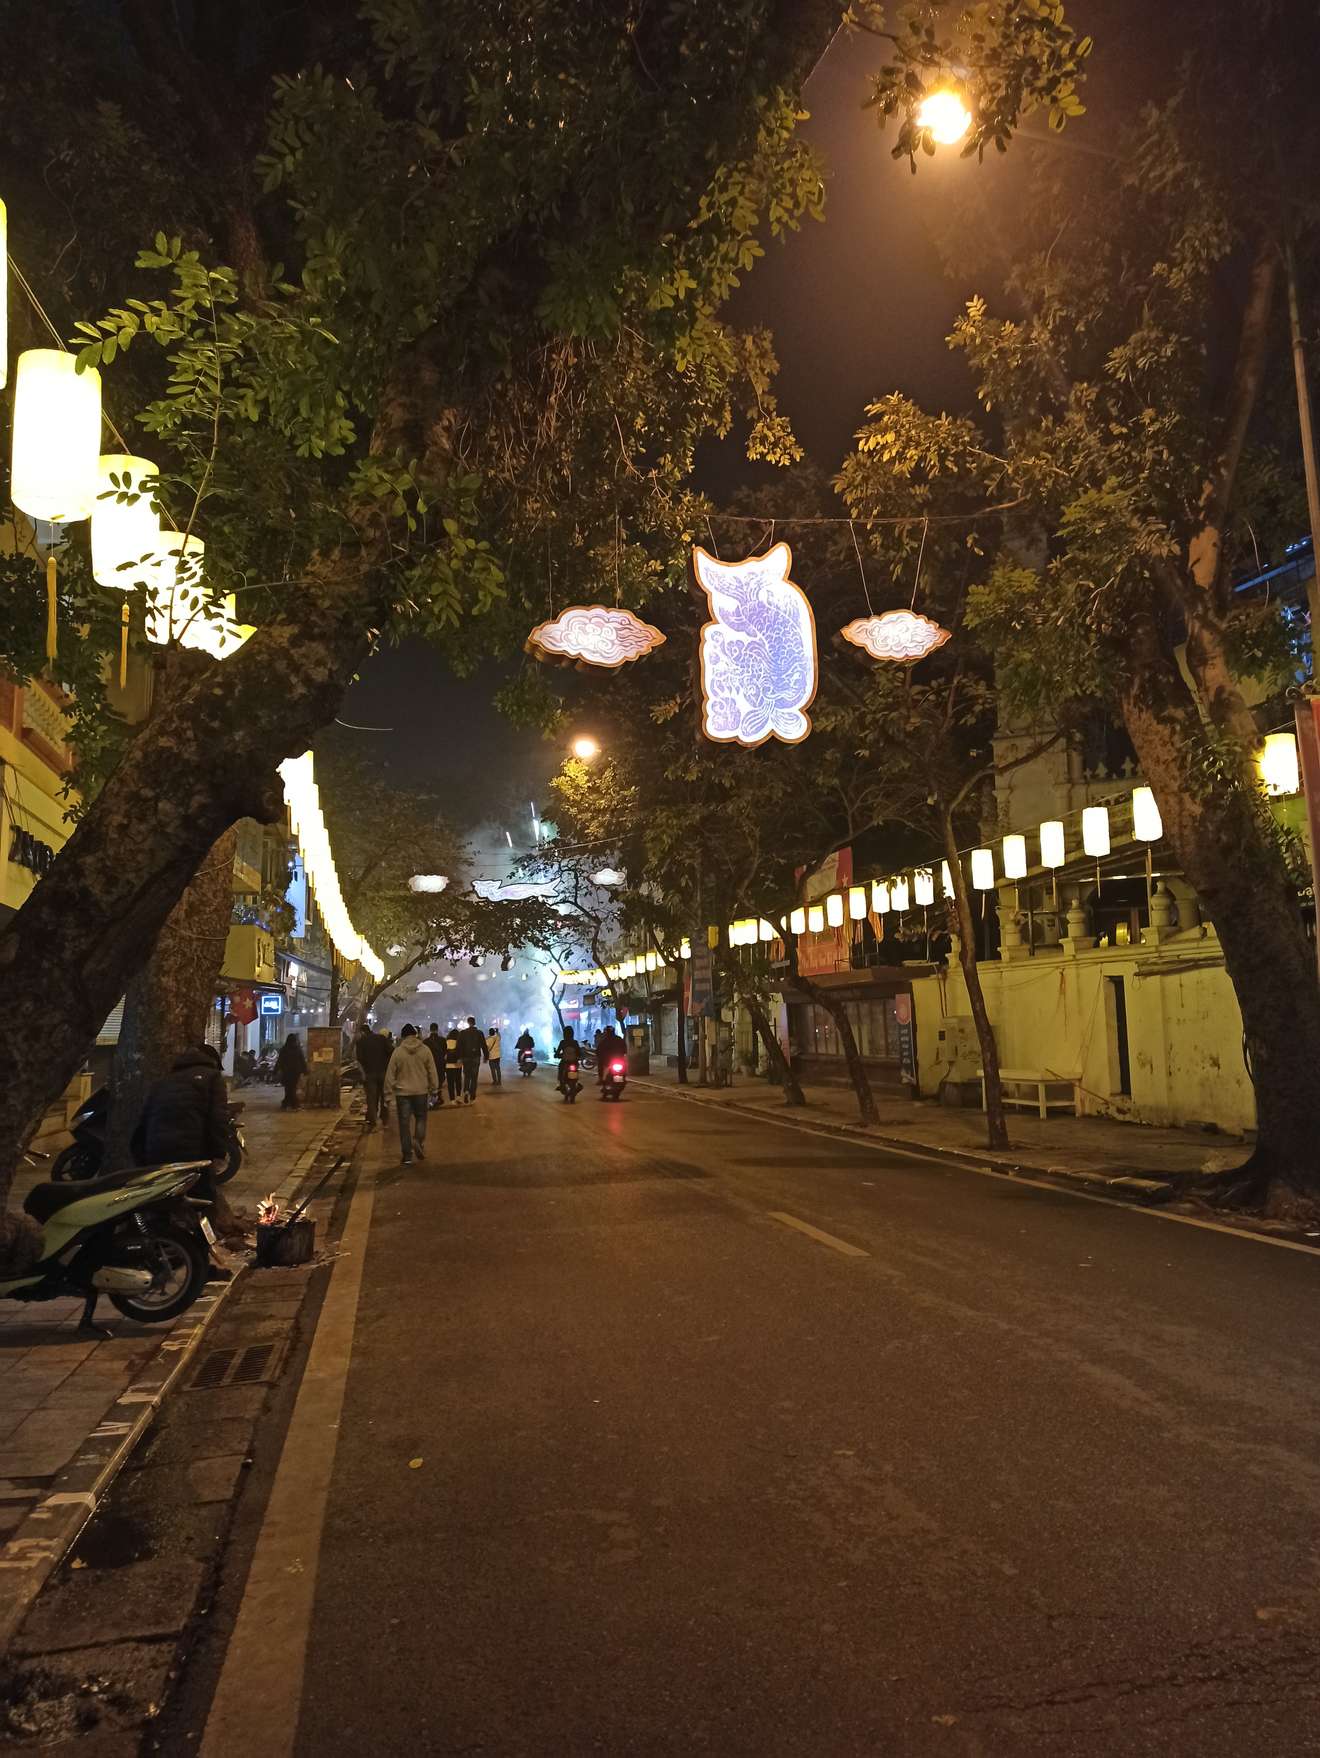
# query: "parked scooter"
569,1084
613,1077
526,1063
133,1235
85,1156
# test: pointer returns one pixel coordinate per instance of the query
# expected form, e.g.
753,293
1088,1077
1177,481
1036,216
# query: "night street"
975,1468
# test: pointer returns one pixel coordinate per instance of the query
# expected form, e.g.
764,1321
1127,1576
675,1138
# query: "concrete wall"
1056,1013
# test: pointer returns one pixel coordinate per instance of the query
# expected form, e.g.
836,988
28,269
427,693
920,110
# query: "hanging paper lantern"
1276,764
898,895
1095,830
685,948
593,634
923,886
815,918
767,933
834,909
901,635
857,903
946,879
57,436
1015,857
879,897
126,535
4,296
1147,825
758,654
797,921
1052,850
983,869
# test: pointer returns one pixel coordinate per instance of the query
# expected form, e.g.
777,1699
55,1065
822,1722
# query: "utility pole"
1308,448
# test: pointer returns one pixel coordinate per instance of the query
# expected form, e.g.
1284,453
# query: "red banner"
243,1006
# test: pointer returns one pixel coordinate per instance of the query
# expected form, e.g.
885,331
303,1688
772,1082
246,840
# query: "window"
873,1024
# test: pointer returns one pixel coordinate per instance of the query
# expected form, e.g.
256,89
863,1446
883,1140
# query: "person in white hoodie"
411,1079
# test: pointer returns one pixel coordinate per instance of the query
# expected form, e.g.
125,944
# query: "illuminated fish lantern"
901,635
758,655
593,634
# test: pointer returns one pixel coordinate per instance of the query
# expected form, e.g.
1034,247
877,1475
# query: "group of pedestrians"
420,1072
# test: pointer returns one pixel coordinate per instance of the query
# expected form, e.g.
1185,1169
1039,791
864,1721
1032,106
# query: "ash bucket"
283,1245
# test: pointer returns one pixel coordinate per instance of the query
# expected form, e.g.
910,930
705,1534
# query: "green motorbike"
133,1235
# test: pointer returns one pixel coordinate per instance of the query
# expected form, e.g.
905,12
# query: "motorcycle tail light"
616,1068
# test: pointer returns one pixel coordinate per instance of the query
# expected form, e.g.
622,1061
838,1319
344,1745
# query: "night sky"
858,305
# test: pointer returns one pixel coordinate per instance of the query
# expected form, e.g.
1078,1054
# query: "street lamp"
585,748
946,116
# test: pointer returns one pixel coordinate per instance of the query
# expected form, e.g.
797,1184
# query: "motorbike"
526,1063
85,1156
613,1077
133,1235
569,1084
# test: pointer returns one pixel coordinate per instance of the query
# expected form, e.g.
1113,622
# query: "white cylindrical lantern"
797,922
1052,851
879,897
1276,764
983,869
652,962
1015,857
815,918
1147,825
57,436
766,931
1095,830
126,539
898,894
946,878
923,886
857,903
834,909
4,296
684,949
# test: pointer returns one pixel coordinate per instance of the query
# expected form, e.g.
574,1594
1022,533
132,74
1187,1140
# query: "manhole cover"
250,1364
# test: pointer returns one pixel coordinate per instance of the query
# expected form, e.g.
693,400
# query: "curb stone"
32,1554
1129,1185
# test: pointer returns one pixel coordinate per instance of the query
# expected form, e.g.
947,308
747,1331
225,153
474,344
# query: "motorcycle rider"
567,1050
186,1117
610,1047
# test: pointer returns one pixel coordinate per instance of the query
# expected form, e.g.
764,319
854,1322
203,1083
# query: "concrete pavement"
665,1431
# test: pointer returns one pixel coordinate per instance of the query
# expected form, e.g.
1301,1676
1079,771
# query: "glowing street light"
946,116
585,748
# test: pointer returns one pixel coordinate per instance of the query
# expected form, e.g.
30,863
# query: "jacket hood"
192,1059
412,1047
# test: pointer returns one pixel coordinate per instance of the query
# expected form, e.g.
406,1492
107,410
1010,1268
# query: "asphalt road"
1032,1475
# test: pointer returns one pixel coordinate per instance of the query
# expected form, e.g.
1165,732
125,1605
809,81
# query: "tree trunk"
1217,824
996,1125
682,1028
838,1012
206,761
167,1003
793,1094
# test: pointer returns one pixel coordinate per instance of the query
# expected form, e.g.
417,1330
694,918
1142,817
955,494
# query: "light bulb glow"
1095,830
946,116
1015,857
585,748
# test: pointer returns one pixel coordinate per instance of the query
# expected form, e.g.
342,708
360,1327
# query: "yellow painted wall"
1050,1014
30,798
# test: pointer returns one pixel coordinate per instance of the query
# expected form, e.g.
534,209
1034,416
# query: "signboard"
271,1004
323,1051
702,1005
907,1039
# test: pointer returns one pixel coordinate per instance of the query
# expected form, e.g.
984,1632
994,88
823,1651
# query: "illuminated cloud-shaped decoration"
594,634
758,656
509,891
608,876
429,987
427,882
902,635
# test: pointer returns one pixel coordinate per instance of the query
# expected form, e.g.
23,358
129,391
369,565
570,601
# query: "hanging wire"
861,569
710,532
920,553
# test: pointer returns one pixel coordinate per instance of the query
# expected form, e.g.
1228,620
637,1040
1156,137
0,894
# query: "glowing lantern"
857,903
797,922
923,886
1052,850
685,948
946,878
815,918
1276,764
1015,857
766,931
834,909
126,539
758,653
983,869
593,634
4,296
1147,825
1095,830
57,436
712,937
898,893
880,897
901,635
652,962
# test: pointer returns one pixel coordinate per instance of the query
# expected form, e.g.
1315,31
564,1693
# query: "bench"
1030,1090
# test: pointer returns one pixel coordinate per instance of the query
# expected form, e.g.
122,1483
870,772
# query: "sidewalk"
56,1386
1096,1149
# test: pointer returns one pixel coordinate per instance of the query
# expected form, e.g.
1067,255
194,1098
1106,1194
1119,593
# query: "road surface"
735,1439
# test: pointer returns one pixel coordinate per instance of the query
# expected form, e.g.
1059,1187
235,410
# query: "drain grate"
250,1364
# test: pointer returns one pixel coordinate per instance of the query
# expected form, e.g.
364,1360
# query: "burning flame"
268,1210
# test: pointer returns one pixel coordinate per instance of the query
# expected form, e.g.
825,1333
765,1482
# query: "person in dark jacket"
186,1117
453,1066
472,1052
436,1045
373,1053
290,1067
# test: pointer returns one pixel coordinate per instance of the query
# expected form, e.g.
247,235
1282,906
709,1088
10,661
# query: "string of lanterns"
302,796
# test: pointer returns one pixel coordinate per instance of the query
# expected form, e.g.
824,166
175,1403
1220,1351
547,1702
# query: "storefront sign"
26,851
907,1039
701,1003
271,1004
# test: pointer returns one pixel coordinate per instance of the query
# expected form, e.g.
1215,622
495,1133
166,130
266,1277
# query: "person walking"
472,1053
411,1078
453,1066
373,1054
290,1067
436,1045
493,1053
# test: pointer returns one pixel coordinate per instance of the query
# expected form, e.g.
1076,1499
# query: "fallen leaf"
414,1464
944,1720
77,1563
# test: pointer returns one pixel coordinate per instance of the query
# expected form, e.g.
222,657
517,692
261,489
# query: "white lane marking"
839,1245
933,1156
259,1696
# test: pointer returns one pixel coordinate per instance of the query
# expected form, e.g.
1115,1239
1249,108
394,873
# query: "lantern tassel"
123,645
52,627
